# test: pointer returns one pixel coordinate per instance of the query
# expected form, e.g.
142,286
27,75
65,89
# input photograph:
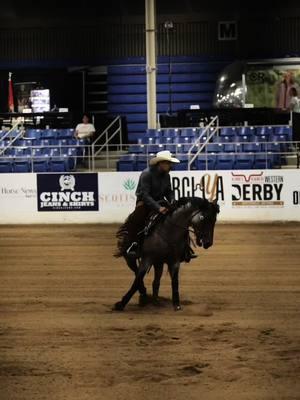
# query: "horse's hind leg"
158,270
145,264
133,266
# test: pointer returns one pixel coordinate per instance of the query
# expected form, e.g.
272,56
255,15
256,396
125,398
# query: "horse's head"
203,223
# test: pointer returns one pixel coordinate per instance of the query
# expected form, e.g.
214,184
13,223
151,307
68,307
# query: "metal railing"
12,140
211,129
108,134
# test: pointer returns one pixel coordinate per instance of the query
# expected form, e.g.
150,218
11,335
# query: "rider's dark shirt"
153,186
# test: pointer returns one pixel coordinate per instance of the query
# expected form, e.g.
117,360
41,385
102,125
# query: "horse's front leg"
143,268
133,266
174,272
158,270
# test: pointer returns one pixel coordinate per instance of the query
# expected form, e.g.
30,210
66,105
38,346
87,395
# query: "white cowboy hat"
163,156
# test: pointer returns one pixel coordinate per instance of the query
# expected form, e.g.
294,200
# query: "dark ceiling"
118,8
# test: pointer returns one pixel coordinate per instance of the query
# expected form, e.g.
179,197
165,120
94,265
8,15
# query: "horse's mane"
197,202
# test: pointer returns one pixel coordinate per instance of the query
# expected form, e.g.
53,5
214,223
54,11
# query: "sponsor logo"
76,192
257,190
208,186
129,184
22,191
124,197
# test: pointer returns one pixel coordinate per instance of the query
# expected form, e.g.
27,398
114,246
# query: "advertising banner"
67,192
271,86
243,196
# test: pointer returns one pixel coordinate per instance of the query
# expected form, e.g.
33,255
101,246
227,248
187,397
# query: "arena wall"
108,197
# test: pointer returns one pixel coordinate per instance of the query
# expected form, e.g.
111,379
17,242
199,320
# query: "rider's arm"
144,192
169,191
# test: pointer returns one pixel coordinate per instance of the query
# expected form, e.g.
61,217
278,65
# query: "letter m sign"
227,30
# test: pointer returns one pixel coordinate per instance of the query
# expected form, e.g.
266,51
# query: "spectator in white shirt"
85,130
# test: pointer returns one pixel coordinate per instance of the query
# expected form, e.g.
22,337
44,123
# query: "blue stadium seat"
22,165
231,147
183,140
283,130
38,152
214,147
6,165
70,156
228,131
65,134
183,165
58,165
206,160
127,162
263,161
40,165
225,161
274,147
188,132
153,133
220,139
149,140
264,131
170,132
153,148
136,148
142,161
261,138
244,161
24,142
49,134
33,134
72,142
241,139
166,140
251,147
170,147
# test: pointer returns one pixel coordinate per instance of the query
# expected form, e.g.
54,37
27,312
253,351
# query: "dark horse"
166,244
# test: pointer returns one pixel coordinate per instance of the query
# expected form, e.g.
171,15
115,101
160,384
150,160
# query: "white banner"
246,196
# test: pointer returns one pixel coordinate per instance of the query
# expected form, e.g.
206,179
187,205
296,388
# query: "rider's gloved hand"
163,210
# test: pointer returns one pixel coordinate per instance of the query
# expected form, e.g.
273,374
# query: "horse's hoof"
118,306
143,300
156,302
177,307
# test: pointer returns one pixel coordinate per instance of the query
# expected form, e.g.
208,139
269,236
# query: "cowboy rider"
154,194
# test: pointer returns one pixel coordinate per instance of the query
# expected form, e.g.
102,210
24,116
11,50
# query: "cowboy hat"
163,156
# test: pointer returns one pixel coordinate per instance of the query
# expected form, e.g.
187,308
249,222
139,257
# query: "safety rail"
116,127
7,135
284,152
197,142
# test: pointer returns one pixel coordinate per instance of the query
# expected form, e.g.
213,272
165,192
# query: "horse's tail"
123,241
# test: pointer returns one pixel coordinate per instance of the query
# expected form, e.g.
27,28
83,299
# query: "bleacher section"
192,81
49,150
230,148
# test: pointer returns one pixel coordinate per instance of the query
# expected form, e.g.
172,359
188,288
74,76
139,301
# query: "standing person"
85,131
283,94
295,109
154,194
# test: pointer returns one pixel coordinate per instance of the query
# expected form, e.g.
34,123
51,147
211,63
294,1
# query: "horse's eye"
201,217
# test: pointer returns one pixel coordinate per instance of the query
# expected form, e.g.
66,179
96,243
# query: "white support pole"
151,62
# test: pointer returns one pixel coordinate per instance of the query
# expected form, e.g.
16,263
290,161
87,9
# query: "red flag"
11,105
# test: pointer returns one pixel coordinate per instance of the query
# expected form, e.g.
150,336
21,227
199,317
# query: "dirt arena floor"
237,337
